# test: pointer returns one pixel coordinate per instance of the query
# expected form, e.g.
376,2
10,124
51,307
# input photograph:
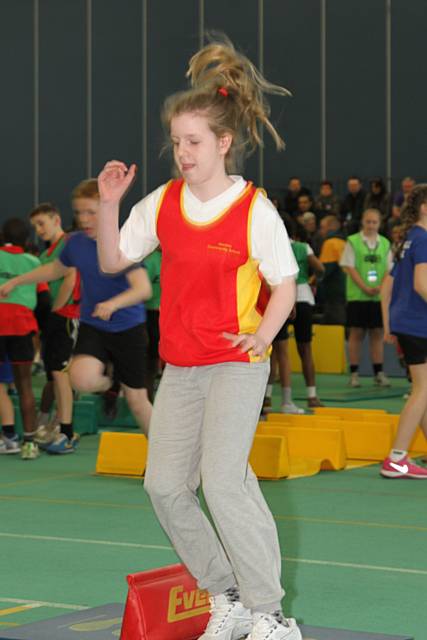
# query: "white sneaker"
46,434
290,407
354,380
228,621
30,451
381,380
9,445
266,627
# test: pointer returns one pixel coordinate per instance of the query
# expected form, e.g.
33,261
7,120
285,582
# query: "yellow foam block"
326,445
328,347
367,440
122,454
269,456
419,443
363,440
349,413
302,420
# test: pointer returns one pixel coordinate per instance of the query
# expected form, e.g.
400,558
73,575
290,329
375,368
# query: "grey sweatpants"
201,431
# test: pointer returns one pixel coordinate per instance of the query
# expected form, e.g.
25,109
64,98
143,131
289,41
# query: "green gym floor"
353,544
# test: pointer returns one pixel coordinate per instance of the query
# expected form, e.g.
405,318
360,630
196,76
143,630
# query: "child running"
112,327
219,236
404,307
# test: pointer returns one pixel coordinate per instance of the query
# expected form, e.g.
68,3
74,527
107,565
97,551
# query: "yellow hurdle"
123,454
349,413
302,420
269,456
327,445
367,440
363,440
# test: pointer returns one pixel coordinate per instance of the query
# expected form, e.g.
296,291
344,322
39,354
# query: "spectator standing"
293,192
327,202
401,196
378,198
332,286
366,260
314,239
353,204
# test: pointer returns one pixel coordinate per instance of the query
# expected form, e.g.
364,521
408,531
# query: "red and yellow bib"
209,282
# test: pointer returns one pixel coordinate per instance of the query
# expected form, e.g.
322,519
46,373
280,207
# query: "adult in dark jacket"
353,205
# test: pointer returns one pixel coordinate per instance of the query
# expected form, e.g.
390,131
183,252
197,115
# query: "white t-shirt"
348,258
269,239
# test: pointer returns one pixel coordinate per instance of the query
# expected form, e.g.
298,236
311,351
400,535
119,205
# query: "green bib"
15,264
300,253
152,264
371,265
49,256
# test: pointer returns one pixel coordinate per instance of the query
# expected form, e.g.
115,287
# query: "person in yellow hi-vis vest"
366,260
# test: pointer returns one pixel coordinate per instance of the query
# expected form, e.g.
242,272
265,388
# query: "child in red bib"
222,241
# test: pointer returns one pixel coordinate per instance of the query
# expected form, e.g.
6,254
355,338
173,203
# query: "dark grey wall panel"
62,90
355,86
117,86
169,49
71,144
16,108
292,59
239,21
409,89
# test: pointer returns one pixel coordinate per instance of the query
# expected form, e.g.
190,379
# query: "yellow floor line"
41,480
79,503
352,523
24,607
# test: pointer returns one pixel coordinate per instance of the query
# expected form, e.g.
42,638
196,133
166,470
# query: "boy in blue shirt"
112,316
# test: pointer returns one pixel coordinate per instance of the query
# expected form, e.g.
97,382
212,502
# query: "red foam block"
164,604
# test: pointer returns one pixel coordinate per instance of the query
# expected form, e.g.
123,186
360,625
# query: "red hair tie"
223,91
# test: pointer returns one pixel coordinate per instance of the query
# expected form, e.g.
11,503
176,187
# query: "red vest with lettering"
209,282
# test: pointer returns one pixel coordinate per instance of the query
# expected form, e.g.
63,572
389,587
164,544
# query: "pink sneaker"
405,468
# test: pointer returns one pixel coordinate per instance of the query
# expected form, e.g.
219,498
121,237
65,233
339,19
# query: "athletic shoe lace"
219,615
265,628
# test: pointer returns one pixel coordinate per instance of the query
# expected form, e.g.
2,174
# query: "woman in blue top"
404,307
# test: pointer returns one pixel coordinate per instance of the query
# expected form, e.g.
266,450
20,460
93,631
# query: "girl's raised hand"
114,181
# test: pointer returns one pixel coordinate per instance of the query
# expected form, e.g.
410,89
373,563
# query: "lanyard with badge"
372,258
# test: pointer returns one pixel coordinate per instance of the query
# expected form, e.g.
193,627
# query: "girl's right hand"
114,181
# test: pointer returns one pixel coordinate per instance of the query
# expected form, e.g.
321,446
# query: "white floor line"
39,603
351,565
109,543
158,547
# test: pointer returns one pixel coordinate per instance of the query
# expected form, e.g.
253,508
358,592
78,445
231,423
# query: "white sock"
397,455
287,395
269,391
311,392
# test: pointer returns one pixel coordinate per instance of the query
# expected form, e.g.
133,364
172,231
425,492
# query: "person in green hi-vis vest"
366,260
